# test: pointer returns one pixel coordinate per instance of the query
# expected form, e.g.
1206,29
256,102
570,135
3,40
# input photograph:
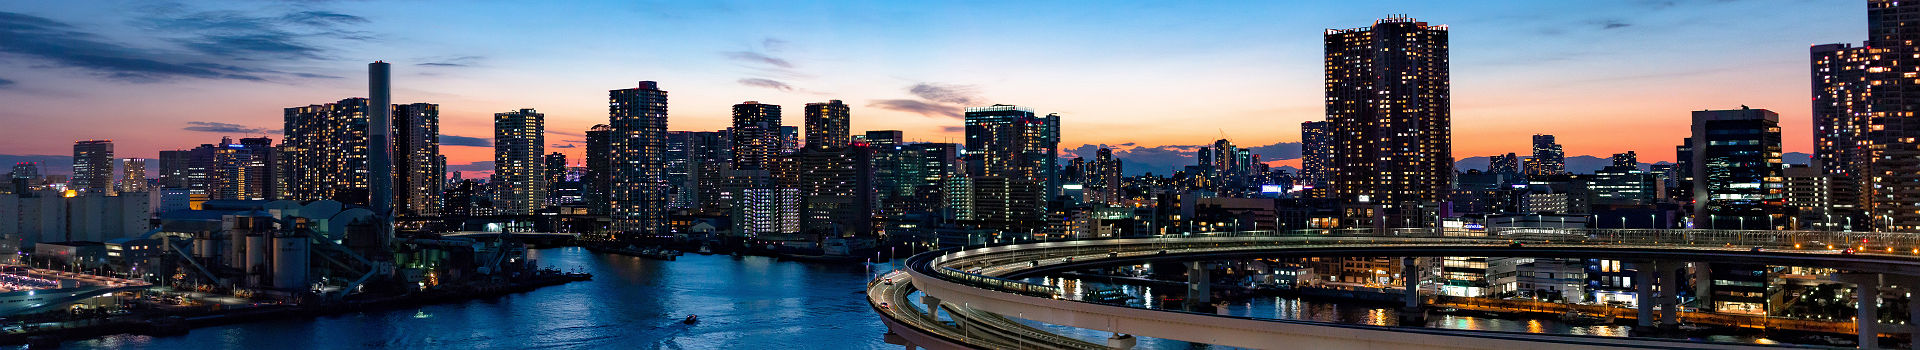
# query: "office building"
1548,157
419,171
92,166
1736,169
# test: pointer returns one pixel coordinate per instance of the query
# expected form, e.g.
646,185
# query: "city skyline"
1605,71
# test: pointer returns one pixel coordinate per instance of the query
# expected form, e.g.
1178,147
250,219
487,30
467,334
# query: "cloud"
773,44
563,145
918,107
759,58
4,83
453,140
480,166
227,128
943,93
64,45
766,83
459,61
567,133
1614,24
1277,151
241,36
953,128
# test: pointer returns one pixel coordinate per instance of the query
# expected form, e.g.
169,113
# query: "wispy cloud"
766,83
454,140
918,107
759,58
458,61
226,128
4,83
945,93
63,44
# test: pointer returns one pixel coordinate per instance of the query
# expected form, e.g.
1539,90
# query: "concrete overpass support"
1703,284
1669,293
1120,342
1912,284
1199,284
1410,283
1643,293
933,306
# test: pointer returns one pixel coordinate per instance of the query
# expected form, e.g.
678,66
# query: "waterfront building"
1390,120
637,142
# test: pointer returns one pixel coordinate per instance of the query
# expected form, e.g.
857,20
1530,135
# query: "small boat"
1585,319
691,319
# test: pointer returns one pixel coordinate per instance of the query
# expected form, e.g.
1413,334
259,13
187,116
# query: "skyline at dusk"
1605,78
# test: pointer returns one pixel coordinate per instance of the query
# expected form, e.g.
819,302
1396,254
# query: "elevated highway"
989,279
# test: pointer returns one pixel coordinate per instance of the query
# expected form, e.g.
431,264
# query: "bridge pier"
1411,312
1703,284
1912,284
1120,341
933,306
1643,294
1866,296
1669,293
1199,285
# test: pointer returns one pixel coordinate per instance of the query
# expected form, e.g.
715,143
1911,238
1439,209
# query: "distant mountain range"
1588,164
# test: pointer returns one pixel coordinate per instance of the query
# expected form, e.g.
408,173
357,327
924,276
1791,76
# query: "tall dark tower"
597,184
1316,158
379,140
638,140
1388,108
827,125
756,135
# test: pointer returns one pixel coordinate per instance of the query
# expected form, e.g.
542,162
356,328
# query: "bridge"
991,279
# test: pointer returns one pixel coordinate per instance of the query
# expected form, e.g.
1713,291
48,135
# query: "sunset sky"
1605,76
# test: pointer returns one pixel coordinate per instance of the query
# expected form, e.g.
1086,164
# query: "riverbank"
181,321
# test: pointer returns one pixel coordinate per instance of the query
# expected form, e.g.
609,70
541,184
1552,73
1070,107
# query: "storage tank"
290,261
259,263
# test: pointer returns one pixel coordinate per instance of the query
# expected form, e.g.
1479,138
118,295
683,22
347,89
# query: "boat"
1585,318
1109,295
691,319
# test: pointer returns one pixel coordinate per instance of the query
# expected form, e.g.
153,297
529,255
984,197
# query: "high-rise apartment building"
326,152
1389,111
135,175
596,185
519,147
828,125
637,140
419,172
1316,159
92,166
173,168
1866,116
757,135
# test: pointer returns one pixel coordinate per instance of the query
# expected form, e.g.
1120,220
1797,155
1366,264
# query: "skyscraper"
637,140
553,169
1548,157
1506,165
1865,122
597,185
135,178
173,168
326,154
420,175
757,135
92,166
519,144
1012,142
827,125
243,170
1316,158
1736,167
1012,158
1388,108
